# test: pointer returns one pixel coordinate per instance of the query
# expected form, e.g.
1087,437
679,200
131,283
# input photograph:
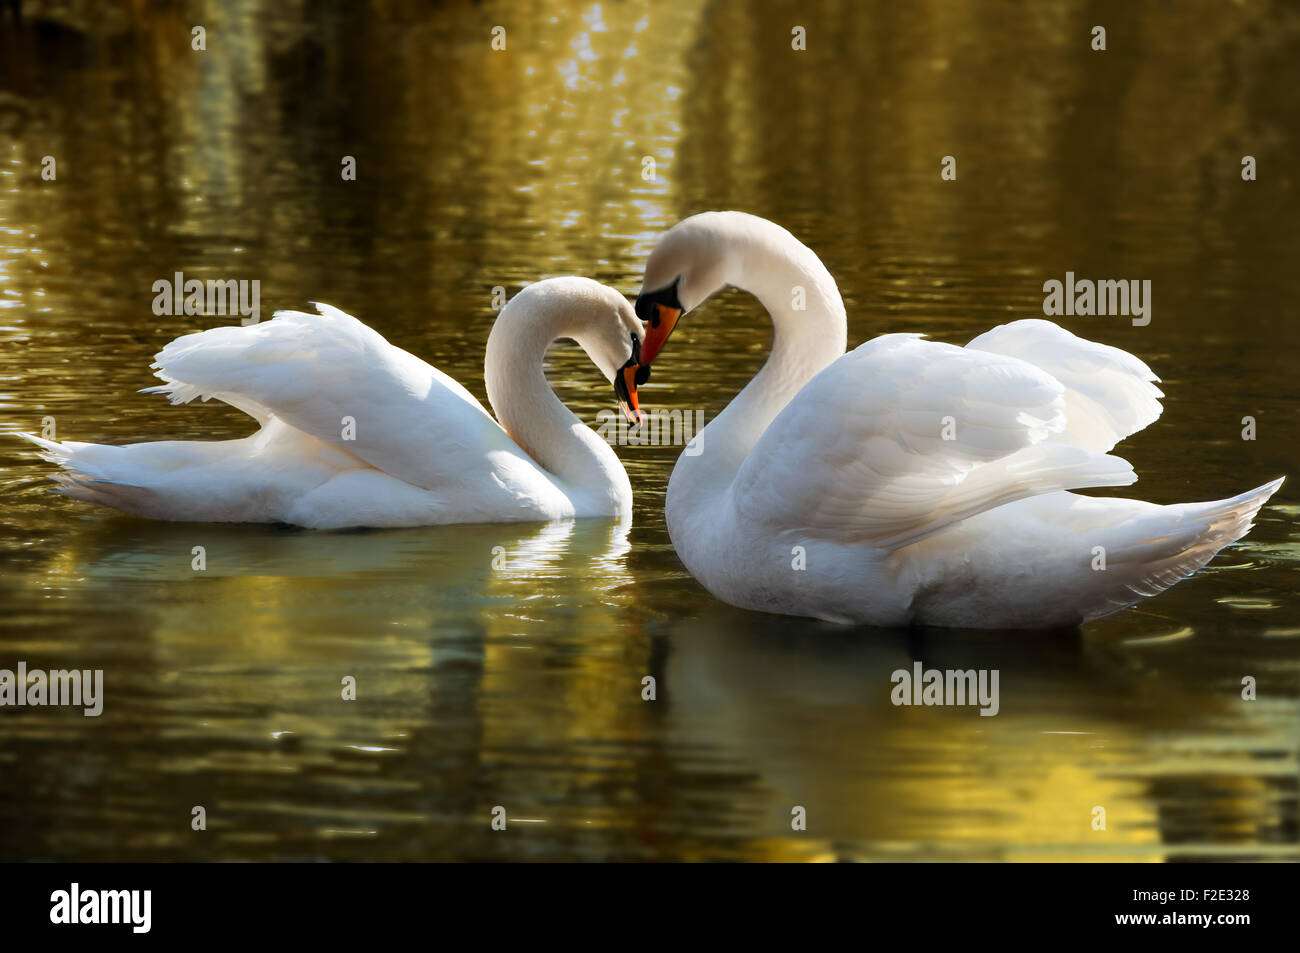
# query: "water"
520,686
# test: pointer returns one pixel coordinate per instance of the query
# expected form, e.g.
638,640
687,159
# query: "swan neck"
809,332
527,408
809,327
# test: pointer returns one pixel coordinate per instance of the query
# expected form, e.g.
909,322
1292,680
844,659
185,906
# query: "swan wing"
1109,393
340,381
902,437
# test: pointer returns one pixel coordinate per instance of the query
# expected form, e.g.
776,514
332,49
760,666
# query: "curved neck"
810,331
524,404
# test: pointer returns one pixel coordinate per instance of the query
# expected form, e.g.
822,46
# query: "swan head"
600,320
613,339
694,260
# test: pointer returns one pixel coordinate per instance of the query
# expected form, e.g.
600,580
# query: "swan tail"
88,473
256,479
196,481
1155,552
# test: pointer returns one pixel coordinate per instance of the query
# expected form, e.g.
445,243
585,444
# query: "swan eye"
650,303
642,371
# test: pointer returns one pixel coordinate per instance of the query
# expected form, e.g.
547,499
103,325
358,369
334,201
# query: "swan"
910,482
357,432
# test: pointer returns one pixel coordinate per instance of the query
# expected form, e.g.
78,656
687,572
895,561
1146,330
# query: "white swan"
908,481
357,432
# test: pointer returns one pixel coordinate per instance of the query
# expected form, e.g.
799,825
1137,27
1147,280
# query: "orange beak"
625,387
656,335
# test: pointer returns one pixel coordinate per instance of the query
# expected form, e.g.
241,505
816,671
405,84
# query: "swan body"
910,481
357,432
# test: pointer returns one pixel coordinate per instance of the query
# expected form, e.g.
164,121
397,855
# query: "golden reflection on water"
505,665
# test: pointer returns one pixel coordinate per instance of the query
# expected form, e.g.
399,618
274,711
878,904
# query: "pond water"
516,682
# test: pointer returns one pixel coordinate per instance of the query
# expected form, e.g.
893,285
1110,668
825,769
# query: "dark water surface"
521,686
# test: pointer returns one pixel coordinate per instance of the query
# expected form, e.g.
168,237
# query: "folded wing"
902,437
1109,393
332,377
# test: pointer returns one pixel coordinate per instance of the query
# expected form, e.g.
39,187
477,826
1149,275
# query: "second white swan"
909,481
